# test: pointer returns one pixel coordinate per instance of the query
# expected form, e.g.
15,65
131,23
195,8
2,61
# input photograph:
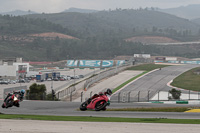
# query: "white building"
142,56
13,68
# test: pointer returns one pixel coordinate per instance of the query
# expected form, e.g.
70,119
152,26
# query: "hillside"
17,25
72,9
188,12
99,35
121,23
18,13
197,21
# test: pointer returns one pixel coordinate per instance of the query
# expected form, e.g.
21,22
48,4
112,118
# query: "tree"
37,92
154,29
175,94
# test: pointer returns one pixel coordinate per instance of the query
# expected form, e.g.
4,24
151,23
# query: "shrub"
175,94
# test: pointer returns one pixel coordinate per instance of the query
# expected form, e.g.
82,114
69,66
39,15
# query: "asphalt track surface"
153,82
71,109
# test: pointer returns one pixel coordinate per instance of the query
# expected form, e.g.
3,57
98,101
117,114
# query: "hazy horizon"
54,6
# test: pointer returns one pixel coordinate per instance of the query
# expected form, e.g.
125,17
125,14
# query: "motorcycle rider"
107,92
20,93
100,101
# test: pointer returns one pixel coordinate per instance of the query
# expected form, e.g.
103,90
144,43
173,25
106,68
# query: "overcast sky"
53,6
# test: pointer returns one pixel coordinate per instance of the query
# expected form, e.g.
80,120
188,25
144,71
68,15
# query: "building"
13,68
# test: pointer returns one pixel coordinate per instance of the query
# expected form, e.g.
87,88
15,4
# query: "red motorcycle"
11,100
97,104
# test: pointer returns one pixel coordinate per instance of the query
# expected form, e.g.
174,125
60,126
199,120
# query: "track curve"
153,82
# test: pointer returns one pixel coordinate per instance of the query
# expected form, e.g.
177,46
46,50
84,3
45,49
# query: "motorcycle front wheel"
101,105
83,106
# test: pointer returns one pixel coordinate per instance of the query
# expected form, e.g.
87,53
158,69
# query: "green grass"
147,67
160,109
99,119
188,80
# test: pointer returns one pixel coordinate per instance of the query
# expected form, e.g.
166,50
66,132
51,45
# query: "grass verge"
147,67
160,109
188,80
99,119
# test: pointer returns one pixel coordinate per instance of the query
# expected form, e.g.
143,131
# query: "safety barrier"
147,96
68,89
66,92
12,89
107,73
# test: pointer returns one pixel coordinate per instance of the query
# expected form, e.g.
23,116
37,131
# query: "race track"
152,82
71,109
156,81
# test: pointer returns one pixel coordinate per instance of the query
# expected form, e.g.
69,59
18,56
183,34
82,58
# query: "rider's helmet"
109,92
22,91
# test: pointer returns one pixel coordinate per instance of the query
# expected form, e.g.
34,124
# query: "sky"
54,6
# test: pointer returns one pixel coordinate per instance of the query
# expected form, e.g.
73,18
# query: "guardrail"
66,90
147,96
110,72
11,89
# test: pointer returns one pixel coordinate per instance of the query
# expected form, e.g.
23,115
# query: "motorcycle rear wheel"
3,106
9,103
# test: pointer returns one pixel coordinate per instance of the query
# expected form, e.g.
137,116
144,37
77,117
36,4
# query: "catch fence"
149,96
12,89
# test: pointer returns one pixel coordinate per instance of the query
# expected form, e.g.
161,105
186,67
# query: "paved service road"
34,126
153,82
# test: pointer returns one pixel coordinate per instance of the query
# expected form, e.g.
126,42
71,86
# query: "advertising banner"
107,63
190,62
158,61
120,62
72,63
160,58
90,63
173,61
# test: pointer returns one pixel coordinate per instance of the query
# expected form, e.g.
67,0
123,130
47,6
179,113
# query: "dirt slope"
151,39
53,35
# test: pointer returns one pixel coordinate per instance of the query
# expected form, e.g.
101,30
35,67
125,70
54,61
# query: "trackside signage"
190,62
90,63
94,63
107,63
72,63
120,62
